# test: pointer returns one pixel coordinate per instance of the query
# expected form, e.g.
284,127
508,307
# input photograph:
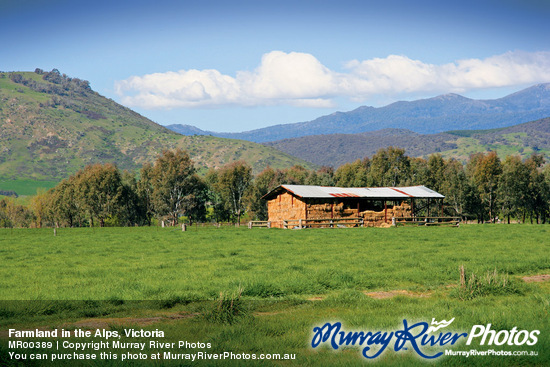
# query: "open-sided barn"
306,205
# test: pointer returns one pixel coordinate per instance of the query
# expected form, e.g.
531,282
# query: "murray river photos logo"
417,336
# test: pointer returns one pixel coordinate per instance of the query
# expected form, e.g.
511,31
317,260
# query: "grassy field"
26,187
291,281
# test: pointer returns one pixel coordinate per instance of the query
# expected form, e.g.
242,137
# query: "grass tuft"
335,279
227,309
492,283
263,290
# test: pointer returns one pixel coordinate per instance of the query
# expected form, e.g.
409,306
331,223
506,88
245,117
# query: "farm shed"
289,205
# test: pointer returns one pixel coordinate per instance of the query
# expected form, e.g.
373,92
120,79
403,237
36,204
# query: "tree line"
60,84
485,189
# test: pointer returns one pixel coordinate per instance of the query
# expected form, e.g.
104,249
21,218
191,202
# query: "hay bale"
285,207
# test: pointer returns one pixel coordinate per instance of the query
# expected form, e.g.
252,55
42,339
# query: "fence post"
249,225
300,223
268,224
393,222
183,227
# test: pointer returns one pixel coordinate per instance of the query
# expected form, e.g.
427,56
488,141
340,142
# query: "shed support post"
385,212
428,207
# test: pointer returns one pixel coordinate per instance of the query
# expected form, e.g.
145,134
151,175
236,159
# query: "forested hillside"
337,149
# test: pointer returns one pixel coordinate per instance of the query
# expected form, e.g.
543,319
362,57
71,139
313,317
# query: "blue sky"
240,65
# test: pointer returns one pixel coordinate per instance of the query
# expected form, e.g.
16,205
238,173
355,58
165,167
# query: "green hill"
522,139
337,149
52,125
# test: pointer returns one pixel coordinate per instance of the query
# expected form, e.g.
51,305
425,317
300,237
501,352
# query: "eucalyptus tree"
172,185
484,170
233,180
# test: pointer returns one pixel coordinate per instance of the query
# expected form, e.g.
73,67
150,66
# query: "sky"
240,65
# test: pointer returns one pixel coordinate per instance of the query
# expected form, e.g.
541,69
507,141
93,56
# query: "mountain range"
337,149
425,116
52,125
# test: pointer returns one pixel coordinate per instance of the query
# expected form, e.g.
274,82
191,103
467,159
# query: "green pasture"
25,187
290,281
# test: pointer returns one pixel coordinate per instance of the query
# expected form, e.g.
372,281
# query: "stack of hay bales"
323,211
349,213
403,210
330,211
319,211
376,219
372,218
285,207
326,211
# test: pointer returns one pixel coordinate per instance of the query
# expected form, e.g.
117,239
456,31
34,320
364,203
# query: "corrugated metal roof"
325,192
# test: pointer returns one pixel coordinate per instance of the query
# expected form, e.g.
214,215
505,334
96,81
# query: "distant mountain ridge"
425,116
337,149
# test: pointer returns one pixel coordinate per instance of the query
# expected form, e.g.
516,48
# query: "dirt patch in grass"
382,294
399,292
316,298
265,313
537,278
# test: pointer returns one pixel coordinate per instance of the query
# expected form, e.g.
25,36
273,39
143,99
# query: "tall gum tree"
232,182
173,184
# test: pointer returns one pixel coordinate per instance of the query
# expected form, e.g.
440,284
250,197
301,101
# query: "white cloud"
288,76
192,88
299,79
399,74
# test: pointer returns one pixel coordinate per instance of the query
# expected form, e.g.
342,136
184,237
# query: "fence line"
428,221
327,223
336,222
